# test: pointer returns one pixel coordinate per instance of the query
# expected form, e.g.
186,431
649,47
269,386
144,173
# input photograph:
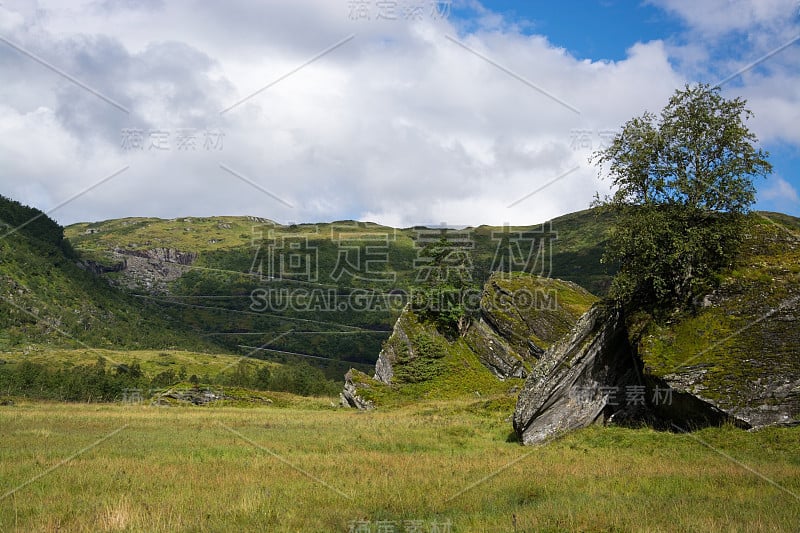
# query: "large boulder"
740,350
580,379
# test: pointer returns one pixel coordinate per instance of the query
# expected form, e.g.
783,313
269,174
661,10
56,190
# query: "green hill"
329,294
46,298
224,275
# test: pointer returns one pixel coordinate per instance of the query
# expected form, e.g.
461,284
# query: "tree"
683,180
441,296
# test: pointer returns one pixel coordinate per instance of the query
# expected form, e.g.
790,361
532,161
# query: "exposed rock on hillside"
593,375
521,316
494,351
98,268
150,270
737,359
397,342
741,351
350,395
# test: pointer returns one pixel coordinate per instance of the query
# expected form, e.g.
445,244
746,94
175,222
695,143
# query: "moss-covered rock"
519,316
741,350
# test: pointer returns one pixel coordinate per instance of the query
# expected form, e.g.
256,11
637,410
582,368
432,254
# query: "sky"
398,112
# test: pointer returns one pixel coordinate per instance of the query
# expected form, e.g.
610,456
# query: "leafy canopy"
682,180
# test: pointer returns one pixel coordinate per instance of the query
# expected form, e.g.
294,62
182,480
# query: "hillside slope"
45,298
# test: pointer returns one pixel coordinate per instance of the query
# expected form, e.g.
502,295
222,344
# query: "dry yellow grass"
315,468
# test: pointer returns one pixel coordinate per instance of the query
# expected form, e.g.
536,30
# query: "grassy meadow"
310,467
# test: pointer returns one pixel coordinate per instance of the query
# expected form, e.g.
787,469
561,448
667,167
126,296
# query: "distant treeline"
105,382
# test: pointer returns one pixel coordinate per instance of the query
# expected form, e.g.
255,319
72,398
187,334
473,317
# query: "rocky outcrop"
384,366
740,350
494,351
519,316
735,358
190,396
97,268
595,375
578,380
350,397
151,270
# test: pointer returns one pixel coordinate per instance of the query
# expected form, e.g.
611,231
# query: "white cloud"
399,125
718,17
781,192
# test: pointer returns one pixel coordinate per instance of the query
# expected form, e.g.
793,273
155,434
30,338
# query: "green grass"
152,362
310,467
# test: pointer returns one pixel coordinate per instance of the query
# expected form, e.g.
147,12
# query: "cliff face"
150,270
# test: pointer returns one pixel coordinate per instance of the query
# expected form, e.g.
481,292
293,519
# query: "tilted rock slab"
494,351
573,383
384,366
349,396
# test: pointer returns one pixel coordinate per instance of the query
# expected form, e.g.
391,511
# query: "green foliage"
441,298
670,255
302,379
94,383
682,180
425,364
228,262
46,298
31,222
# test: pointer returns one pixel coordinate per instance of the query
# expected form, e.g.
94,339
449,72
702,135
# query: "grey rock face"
573,383
349,396
384,370
585,378
494,351
152,270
